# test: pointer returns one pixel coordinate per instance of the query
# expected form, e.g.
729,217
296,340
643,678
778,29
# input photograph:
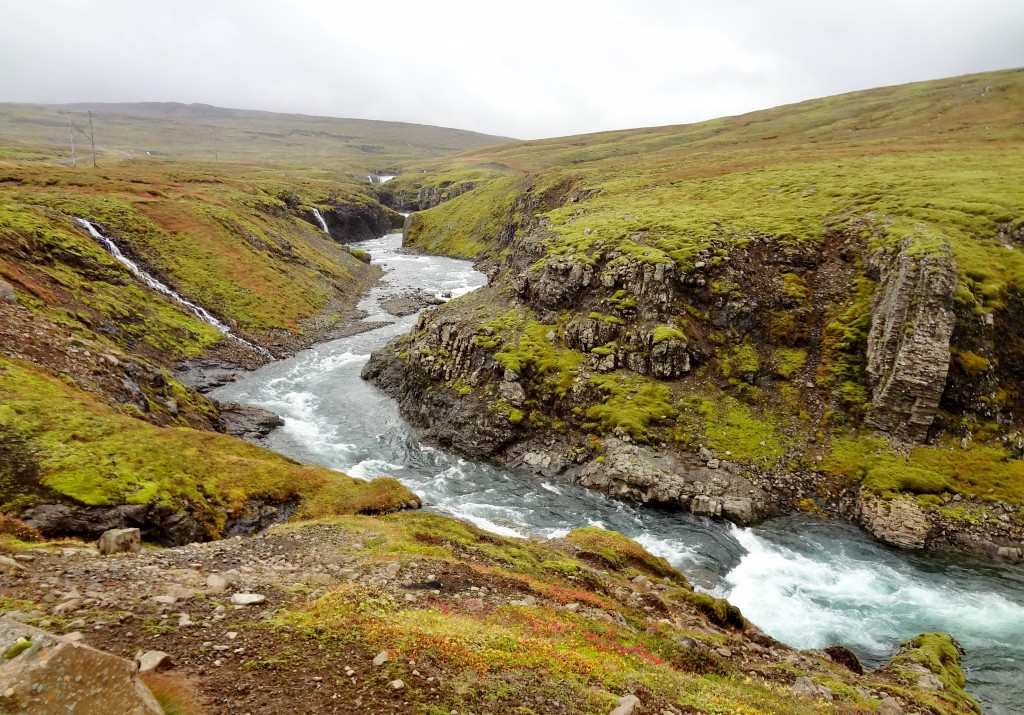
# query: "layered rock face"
629,372
425,197
912,320
350,223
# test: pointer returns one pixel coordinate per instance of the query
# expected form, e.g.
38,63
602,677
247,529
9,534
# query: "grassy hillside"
61,444
734,285
87,348
197,132
238,242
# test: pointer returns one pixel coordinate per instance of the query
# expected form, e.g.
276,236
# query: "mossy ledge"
813,307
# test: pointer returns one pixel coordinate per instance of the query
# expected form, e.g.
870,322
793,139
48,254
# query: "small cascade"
320,218
199,311
371,179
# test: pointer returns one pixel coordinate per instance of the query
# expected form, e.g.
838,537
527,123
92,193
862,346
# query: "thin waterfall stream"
805,581
199,311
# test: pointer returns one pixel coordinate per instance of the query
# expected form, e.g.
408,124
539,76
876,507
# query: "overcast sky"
521,68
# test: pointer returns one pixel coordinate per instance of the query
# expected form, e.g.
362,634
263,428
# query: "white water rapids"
807,582
199,311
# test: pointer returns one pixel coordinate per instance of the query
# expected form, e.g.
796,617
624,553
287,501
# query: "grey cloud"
525,69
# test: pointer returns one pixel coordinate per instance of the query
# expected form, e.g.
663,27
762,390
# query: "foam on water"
865,601
370,468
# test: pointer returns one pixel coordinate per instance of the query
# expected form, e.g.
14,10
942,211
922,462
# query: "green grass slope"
62,444
87,348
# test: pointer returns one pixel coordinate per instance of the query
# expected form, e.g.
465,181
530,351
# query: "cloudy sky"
521,68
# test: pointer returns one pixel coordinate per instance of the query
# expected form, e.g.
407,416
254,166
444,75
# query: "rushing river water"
807,582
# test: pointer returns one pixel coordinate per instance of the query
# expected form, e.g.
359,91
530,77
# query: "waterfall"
198,310
385,178
320,218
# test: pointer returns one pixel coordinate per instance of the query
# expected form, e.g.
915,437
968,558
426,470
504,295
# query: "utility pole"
72,133
92,140
90,136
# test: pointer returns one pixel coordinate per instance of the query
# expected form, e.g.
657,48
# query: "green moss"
940,654
986,470
741,361
663,333
973,364
92,455
619,552
893,474
788,362
731,428
795,287
17,649
844,348
630,404
528,352
717,610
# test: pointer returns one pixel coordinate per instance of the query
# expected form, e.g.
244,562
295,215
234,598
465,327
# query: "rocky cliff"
735,334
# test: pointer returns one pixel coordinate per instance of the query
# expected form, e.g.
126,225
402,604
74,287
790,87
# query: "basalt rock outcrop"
603,347
158,523
351,223
422,198
686,481
912,320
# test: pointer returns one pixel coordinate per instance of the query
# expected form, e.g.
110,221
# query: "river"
807,582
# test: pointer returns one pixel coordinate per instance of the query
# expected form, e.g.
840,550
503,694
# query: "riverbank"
398,614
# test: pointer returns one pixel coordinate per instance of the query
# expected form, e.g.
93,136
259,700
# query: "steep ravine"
807,581
614,367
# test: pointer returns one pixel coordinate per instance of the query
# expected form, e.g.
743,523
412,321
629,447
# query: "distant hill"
205,132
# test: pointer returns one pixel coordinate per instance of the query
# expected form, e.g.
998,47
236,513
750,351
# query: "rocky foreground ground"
417,613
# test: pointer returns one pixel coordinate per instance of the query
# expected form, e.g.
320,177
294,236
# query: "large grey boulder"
117,541
7,294
899,521
52,675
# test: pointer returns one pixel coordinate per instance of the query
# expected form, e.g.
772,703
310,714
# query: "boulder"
627,705
116,541
846,658
248,599
900,521
248,421
889,706
152,660
7,294
805,686
53,675
215,583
